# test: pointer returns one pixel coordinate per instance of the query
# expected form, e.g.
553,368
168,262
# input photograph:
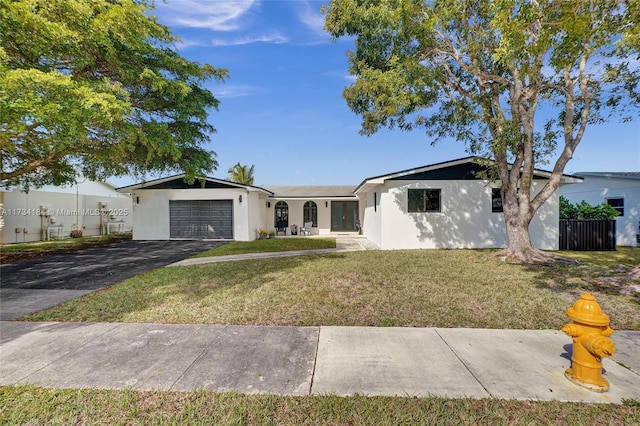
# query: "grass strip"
21,251
270,246
31,405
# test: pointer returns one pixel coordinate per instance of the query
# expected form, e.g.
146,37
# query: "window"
310,213
617,203
423,200
281,211
496,200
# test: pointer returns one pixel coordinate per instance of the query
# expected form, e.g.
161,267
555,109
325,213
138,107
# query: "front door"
344,215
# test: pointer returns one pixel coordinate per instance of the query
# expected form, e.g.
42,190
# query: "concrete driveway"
32,285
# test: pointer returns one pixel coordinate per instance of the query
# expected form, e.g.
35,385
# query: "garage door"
199,219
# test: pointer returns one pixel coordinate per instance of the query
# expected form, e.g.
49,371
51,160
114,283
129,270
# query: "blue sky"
282,108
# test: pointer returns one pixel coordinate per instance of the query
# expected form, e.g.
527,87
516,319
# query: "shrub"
584,210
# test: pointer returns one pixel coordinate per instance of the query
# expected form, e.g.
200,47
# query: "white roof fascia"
144,185
311,197
607,175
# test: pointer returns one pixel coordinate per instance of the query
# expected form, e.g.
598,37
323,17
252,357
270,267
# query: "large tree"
241,173
95,87
517,80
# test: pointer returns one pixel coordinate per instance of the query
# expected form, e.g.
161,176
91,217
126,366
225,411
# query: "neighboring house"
445,205
54,211
620,190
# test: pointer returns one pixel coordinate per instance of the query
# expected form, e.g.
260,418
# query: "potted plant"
272,233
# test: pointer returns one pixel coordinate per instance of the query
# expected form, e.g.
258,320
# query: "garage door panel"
201,219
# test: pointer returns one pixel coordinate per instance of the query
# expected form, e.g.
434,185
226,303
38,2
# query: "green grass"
270,245
410,288
40,406
20,251
443,288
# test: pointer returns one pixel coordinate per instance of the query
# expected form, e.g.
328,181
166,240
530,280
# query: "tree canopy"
517,81
242,173
95,87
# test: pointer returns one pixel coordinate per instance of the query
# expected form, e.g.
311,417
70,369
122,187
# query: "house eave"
148,186
313,197
607,175
370,183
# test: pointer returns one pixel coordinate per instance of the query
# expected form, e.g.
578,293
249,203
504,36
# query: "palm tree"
241,174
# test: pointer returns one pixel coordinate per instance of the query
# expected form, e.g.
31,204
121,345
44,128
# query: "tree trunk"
519,245
518,240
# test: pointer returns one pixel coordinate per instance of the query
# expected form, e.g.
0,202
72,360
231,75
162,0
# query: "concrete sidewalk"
342,244
478,363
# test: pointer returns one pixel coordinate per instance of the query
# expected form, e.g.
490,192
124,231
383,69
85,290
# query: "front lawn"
270,245
408,288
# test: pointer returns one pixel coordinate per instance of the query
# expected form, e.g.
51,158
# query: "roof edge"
608,175
143,185
382,178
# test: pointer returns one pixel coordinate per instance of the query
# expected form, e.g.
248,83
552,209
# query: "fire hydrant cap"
587,311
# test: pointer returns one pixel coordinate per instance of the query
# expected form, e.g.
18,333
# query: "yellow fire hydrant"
590,332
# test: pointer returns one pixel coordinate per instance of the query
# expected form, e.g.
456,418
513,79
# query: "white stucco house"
54,211
445,205
621,190
219,209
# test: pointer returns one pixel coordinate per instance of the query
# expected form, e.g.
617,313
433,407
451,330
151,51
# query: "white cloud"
311,17
184,43
349,78
267,38
232,91
218,15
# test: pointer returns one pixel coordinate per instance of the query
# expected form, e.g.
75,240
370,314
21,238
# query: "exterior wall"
596,190
81,210
151,210
465,219
324,217
372,216
257,213
296,214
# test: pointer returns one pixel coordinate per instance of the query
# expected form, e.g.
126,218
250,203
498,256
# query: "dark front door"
344,215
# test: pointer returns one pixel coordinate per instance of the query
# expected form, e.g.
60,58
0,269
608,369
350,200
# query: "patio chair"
306,229
281,226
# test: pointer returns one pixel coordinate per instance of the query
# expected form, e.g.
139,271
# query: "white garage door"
200,219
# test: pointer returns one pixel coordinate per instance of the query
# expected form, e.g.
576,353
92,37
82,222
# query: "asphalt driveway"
32,285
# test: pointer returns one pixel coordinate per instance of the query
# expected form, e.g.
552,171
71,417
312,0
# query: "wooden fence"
587,235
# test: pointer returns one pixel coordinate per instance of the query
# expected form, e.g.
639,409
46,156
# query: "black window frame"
618,206
424,199
281,215
496,201
310,208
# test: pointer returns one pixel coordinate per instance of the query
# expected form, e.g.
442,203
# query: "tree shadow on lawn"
601,279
